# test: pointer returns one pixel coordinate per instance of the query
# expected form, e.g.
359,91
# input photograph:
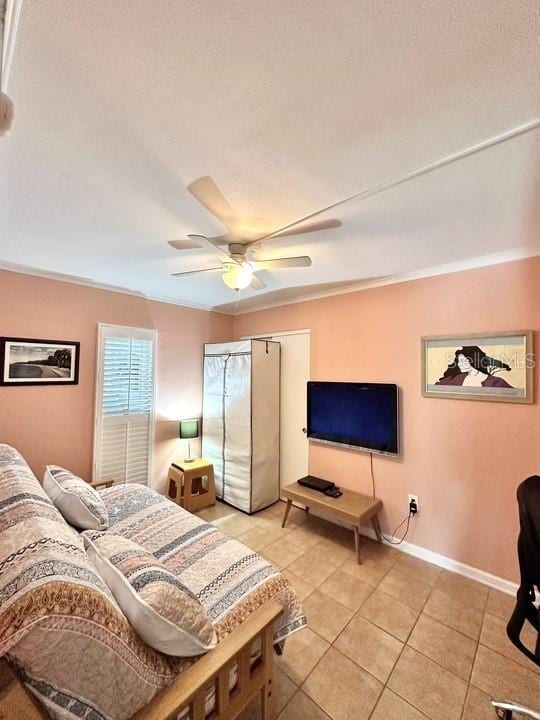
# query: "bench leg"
287,511
377,528
357,544
266,701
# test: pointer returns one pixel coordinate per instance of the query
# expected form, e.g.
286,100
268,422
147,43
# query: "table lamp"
189,429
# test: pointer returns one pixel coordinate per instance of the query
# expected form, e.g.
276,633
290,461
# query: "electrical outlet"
415,499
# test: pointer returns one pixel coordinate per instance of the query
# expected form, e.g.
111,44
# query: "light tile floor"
392,639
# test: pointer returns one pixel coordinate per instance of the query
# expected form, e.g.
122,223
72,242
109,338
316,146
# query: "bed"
66,641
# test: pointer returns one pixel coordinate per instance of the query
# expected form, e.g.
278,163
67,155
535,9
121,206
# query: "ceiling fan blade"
295,223
205,190
196,272
256,283
206,242
288,262
302,229
221,239
185,244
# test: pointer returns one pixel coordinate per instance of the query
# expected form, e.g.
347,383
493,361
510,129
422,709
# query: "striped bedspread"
229,579
61,628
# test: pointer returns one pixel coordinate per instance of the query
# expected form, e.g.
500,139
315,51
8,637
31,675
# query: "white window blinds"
124,404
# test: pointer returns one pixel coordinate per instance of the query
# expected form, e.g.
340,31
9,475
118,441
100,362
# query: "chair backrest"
528,496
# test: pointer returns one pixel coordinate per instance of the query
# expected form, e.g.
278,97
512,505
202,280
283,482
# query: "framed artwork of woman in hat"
479,367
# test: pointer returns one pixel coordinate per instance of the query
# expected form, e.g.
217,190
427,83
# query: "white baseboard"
447,563
505,586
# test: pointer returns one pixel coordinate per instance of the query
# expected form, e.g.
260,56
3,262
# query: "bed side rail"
189,690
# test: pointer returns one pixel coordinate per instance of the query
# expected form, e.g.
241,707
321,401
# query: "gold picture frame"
495,367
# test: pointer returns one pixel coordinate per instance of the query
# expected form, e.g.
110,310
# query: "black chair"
528,496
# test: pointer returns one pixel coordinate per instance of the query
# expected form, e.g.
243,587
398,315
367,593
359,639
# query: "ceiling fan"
238,264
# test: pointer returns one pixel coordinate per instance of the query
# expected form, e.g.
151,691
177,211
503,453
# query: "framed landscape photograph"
26,361
496,366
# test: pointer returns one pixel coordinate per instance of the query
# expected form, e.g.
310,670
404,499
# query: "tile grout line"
462,716
469,680
404,644
412,577
311,672
399,657
385,685
299,690
461,602
331,645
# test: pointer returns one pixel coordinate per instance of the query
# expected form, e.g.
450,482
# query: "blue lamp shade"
189,429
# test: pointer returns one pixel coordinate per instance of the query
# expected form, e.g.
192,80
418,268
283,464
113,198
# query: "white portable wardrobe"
240,429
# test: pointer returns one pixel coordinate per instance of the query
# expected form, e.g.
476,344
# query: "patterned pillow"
79,502
161,610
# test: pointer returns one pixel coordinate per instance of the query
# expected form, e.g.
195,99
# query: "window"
125,389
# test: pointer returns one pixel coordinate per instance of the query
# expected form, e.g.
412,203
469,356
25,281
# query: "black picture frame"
50,373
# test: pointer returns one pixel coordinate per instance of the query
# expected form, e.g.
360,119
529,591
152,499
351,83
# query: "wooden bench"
352,508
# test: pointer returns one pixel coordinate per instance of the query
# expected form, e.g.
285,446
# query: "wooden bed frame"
190,688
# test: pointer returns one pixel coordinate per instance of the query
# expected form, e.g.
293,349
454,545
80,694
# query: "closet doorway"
294,378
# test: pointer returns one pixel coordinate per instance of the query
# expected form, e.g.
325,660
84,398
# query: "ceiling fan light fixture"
237,277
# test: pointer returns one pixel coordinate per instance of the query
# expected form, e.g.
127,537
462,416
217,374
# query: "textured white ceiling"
288,106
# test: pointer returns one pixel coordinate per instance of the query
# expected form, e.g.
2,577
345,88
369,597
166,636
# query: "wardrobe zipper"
224,426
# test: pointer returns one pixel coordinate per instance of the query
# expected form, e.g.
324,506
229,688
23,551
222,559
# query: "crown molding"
446,269
75,280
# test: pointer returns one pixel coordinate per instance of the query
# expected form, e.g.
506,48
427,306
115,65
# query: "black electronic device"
333,492
316,483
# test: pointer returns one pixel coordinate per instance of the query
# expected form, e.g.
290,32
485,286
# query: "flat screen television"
362,416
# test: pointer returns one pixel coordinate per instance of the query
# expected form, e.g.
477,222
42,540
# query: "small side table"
192,484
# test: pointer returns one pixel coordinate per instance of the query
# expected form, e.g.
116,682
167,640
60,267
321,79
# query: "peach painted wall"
463,458
55,424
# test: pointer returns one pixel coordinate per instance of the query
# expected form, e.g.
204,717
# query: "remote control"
334,492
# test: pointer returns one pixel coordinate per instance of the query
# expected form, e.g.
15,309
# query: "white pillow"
79,502
162,611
